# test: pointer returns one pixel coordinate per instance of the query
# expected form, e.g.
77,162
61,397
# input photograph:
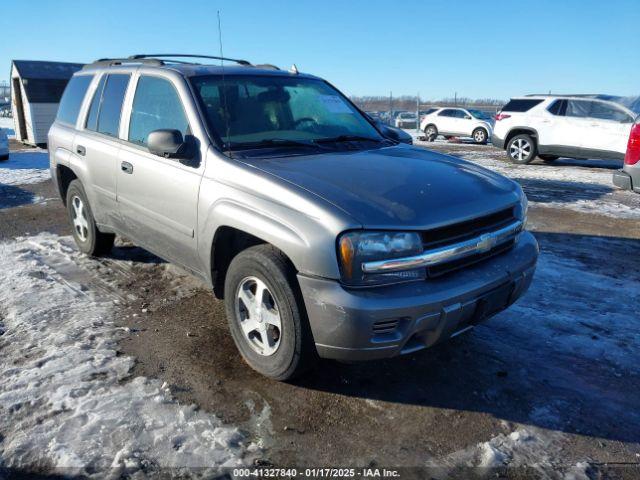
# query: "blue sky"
477,49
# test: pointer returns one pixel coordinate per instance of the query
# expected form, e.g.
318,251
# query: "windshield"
252,111
480,114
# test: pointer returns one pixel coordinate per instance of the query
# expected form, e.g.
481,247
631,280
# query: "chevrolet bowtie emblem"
486,242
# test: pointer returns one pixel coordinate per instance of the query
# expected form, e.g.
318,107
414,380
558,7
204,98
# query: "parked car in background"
552,126
458,122
629,177
406,120
323,237
4,145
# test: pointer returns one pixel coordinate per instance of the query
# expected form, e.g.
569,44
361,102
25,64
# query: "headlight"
357,247
524,207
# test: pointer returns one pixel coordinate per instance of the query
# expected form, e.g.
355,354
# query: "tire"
522,149
548,158
279,353
89,239
4,157
431,132
480,136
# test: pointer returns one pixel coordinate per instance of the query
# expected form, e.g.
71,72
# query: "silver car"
324,237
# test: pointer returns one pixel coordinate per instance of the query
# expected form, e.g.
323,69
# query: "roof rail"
108,62
186,55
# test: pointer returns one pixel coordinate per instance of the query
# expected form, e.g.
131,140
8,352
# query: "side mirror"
168,143
393,133
468,117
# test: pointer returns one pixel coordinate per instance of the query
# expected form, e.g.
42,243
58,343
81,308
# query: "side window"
72,98
156,105
558,108
111,104
603,111
446,113
94,108
578,108
460,113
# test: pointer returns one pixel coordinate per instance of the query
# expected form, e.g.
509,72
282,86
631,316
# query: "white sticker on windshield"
335,104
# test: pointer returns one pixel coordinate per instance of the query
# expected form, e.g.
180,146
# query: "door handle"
126,167
80,150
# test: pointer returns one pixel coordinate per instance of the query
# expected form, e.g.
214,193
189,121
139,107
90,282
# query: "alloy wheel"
520,149
479,136
259,317
80,223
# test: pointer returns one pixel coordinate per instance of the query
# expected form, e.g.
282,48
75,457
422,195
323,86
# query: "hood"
397,187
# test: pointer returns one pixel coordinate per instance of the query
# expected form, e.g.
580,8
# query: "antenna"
224,85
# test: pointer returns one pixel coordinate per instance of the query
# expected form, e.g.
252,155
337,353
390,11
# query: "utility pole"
455,99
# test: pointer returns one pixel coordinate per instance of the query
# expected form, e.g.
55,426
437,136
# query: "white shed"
36,89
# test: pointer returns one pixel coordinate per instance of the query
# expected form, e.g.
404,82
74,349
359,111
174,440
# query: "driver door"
158,197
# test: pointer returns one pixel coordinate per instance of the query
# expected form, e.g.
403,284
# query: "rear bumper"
365,324
497,142
628,179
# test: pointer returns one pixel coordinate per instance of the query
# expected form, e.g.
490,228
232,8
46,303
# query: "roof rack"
156,60
187,55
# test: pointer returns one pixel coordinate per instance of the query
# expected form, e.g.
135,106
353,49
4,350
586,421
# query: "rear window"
72,99
521,105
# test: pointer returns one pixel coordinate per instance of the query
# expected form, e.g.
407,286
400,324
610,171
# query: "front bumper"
366,324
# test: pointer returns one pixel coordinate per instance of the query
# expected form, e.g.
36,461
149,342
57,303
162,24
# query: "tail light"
501,116
633,147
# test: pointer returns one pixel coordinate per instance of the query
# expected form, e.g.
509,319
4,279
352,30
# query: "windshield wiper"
270,142
347,138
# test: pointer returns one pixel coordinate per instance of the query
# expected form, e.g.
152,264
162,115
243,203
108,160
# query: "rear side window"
558,108
521,105
447,113
115,87
94,108
578,108
156,105
72,99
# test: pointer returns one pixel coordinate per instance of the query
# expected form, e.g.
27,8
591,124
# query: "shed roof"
43,70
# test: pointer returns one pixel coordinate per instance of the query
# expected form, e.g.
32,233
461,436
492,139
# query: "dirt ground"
434,407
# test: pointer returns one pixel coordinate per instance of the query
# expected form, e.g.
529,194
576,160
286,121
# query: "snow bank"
65,401
25,167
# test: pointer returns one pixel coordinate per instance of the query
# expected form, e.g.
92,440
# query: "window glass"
111,105
558,108
447,113
521,105
604,111
156,105
94,108
72,98
578,108
459,114
255,109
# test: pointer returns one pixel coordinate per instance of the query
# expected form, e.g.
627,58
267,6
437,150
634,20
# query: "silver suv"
324,236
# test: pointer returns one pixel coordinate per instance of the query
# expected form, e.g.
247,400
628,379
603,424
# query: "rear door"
158,197
608,131
446,120
97,144
565,126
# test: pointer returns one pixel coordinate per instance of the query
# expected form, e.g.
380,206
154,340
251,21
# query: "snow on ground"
65,398
25,167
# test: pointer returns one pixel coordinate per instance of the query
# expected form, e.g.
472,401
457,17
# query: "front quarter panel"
302,225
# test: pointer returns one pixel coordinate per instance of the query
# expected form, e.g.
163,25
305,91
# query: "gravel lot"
550,386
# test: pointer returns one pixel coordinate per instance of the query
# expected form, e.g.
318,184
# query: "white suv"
552,126
457,122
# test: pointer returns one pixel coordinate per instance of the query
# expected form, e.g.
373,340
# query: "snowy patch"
65,398
25,167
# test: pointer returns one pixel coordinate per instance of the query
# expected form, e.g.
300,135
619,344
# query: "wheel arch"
521,131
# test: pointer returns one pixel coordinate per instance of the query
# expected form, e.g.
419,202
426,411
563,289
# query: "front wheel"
480,135
266,314
522,149
89,239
